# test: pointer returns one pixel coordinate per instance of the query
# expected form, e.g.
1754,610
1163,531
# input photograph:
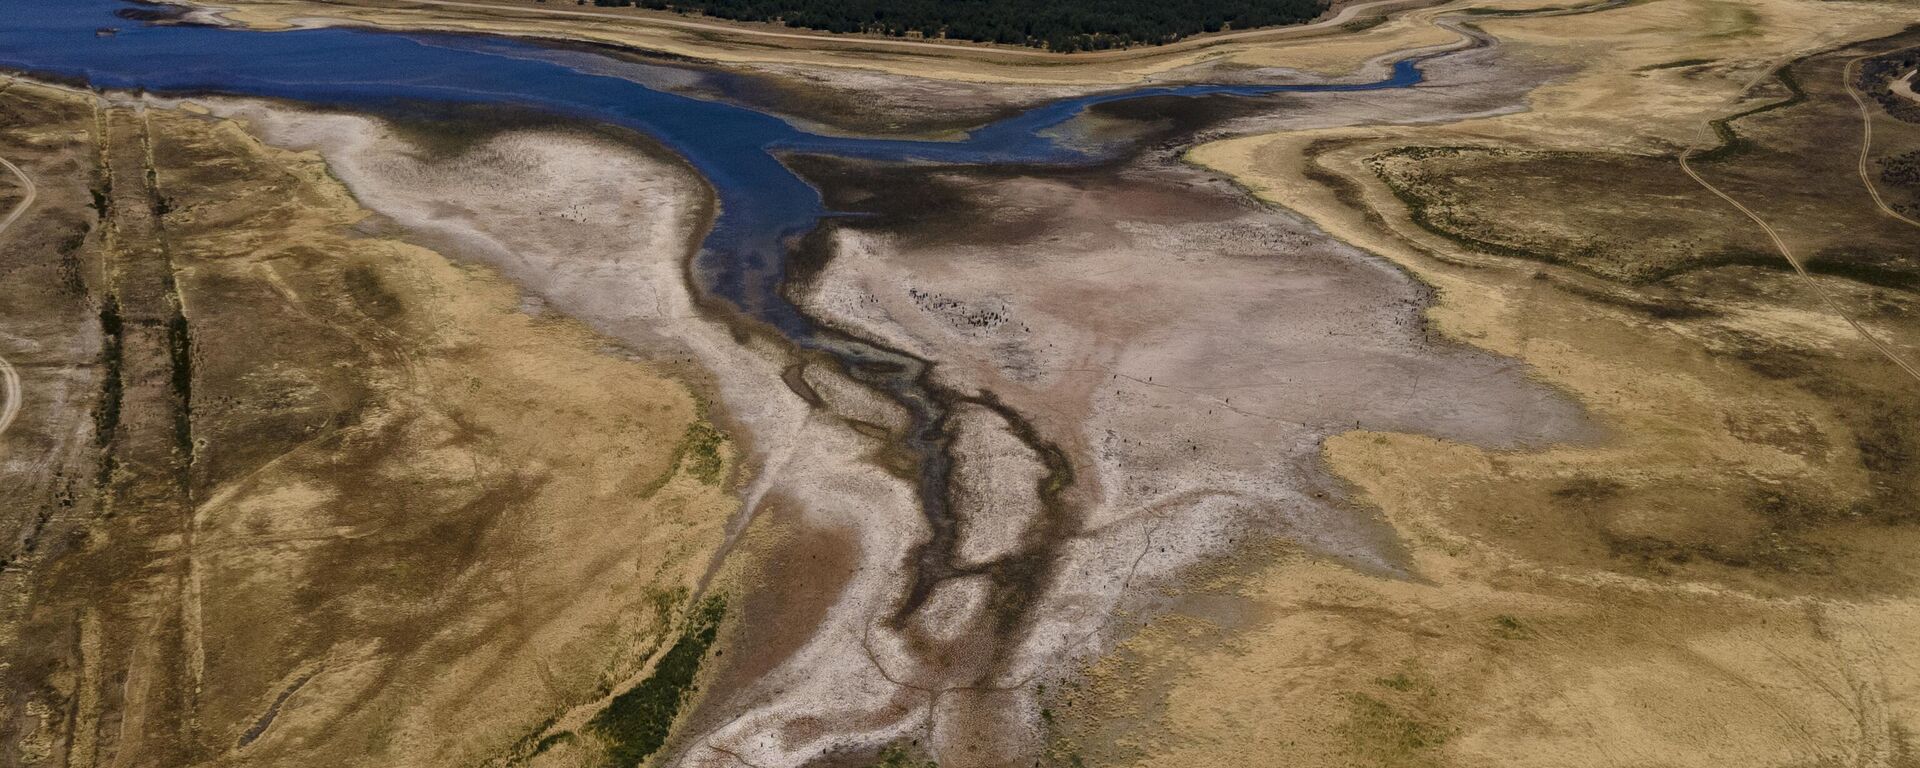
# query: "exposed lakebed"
737,149
764,208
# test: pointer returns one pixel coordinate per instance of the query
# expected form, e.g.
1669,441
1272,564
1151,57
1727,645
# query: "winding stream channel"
763,210
763,206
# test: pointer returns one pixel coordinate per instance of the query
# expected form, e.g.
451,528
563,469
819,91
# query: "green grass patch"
698,455
636,723
898,755
1512,628
702,456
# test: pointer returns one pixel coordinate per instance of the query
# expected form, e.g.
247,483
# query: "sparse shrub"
1512,628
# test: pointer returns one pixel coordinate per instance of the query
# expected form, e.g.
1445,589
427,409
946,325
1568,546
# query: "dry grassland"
1726,577
354,506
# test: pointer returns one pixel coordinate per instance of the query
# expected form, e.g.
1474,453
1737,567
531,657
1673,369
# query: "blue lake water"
761,203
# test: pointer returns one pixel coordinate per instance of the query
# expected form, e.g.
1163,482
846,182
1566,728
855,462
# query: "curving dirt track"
9,378
1799,267
1866,134
20,208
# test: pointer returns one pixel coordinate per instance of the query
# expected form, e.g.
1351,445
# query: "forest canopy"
1060,25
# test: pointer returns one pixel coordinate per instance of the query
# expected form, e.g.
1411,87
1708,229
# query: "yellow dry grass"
1535,632
576,463
424,522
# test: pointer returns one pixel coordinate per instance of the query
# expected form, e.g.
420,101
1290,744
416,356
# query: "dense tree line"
1061,25
1902,171
1876,79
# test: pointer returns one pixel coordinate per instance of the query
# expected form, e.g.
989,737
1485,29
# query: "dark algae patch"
636,723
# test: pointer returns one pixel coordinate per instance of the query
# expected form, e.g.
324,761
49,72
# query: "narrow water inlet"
763,205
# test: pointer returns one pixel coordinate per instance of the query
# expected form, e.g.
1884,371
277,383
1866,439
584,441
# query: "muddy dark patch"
1588,490
927,205
1877,268
1020,578
922,203
1175,119
369,295
795,377
152,12
439,131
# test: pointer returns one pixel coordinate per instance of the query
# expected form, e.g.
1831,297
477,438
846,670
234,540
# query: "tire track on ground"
10,378
1826,297
10,381
1866,138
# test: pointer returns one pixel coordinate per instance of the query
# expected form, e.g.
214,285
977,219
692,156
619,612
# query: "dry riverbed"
369,441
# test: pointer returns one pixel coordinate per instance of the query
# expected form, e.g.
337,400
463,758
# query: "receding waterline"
761,203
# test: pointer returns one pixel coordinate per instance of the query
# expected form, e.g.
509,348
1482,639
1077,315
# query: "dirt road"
1905,86
1779,244
1866,134
9,378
